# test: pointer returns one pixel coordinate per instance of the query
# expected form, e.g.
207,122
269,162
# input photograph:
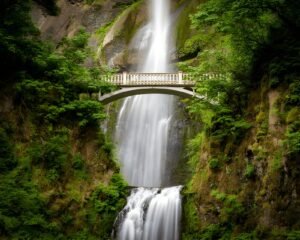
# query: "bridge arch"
126,92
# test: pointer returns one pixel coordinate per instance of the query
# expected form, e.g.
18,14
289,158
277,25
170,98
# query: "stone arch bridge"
129,84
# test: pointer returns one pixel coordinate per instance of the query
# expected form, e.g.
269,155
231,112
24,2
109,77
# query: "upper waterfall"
157,57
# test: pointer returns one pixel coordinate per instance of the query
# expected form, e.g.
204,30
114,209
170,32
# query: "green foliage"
74,49
22,211
78,162
85,112
252,43
16,47
193,150
263,129
8,160
48,81
214,164
52,155
212,232
246,236
55,96
45,83
232,210
110,198
292,141
191,47
191,221
250,171
293,115
106,202
293,97
225,125
293,235
232,18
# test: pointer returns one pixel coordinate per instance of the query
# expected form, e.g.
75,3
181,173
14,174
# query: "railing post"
180,77
124,78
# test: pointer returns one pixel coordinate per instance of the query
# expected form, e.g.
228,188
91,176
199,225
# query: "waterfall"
162,219
142,134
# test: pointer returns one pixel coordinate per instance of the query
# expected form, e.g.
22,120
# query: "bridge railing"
146,79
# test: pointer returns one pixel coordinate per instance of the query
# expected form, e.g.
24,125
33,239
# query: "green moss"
261,117
277,160
183,27
214,164
293,115
232,210
129,32
250,171
263,130
246,236
191,222
191,47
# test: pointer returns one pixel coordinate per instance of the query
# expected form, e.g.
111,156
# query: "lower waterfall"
163,208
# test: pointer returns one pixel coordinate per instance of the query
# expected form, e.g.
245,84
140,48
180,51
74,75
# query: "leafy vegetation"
50,187
251,50
250,171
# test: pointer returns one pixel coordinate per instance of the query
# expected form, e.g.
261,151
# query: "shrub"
214,164
105,203
225,125
250,171
246,236
212,231
22,210
293,235
52,155
8,160
77,162
232,210
55,152
293,98
293,115
85,112
292,141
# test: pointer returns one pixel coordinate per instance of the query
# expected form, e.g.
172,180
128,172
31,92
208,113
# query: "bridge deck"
180,84
179,79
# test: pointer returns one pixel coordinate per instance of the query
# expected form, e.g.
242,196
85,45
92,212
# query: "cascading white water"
145,121
161,220
142,137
